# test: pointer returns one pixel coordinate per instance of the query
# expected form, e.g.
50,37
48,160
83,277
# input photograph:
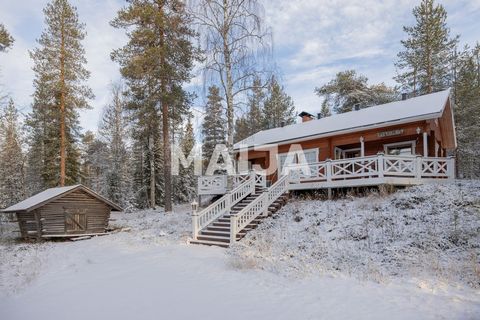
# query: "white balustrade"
257,207
212,184
378,166
221,206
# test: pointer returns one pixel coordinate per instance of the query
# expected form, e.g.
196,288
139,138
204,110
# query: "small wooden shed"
63,212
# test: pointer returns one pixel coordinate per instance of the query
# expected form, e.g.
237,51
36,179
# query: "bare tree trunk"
62,110
151,147
229,89
167,163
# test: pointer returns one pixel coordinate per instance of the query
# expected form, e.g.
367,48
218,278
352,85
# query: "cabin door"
75,220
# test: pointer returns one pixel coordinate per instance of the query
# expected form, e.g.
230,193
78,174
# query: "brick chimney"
306,116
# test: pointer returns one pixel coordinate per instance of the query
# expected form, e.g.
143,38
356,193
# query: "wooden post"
380,166
233,229
418,167
425,144
328,169
451,168
362,146
195,219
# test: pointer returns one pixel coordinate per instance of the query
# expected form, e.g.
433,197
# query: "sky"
312,41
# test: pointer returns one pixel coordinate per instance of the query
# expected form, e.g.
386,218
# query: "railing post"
328,169
451,168
380,160
195,219
252,181
233,228
418,167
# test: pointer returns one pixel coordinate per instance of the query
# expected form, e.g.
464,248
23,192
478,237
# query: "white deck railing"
378,166
217,184
257,207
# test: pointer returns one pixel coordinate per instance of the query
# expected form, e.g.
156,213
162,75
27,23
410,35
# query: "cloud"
24,19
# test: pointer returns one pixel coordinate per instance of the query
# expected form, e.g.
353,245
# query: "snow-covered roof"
50,194
424,107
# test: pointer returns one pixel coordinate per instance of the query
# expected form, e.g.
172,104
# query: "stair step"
225,239
220,233
210,243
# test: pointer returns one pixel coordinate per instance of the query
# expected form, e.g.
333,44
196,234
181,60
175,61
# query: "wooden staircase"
217,233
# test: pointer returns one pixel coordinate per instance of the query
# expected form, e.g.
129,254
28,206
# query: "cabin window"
311,156
400,149
351,153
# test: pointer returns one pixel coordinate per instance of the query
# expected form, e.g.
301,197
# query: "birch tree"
235,41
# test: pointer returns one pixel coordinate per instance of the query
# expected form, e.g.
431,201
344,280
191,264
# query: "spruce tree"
423,65
325,111
242,129
113,132
278,107
12,177
94,163
214,124
155,62
255,101
186,182
60,76
6,40
467,113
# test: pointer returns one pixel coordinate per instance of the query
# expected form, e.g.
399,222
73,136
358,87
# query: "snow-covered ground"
150,272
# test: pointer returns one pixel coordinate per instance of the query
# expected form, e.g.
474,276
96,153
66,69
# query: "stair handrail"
221,206
257,207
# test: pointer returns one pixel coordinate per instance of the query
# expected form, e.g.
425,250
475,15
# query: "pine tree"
186,182
155,62
325,111
423,65
60,76
348,89
467,113
214,123
12,173
278,107
6,40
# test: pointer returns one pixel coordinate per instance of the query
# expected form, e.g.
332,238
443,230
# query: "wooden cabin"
405,142
63,212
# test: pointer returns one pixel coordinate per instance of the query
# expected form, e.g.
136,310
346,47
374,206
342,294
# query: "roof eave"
350,130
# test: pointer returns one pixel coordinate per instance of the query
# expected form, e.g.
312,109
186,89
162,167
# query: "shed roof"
424,107
51,194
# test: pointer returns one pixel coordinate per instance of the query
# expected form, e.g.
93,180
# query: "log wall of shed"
50,219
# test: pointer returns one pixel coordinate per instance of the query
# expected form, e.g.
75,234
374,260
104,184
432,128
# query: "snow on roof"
51,193
419,108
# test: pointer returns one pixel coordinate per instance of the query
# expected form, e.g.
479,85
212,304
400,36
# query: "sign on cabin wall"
390,133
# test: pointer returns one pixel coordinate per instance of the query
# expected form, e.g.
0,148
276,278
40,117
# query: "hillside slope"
427,232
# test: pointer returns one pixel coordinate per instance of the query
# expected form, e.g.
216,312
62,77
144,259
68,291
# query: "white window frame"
295,157
412,143
350,150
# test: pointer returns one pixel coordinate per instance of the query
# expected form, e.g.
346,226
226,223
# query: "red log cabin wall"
374,142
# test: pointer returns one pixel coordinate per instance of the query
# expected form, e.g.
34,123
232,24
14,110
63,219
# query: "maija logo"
222,161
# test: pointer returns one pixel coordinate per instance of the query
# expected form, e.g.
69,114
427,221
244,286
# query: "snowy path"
102,278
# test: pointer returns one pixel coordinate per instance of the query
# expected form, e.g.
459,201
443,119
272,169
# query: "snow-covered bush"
429,231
